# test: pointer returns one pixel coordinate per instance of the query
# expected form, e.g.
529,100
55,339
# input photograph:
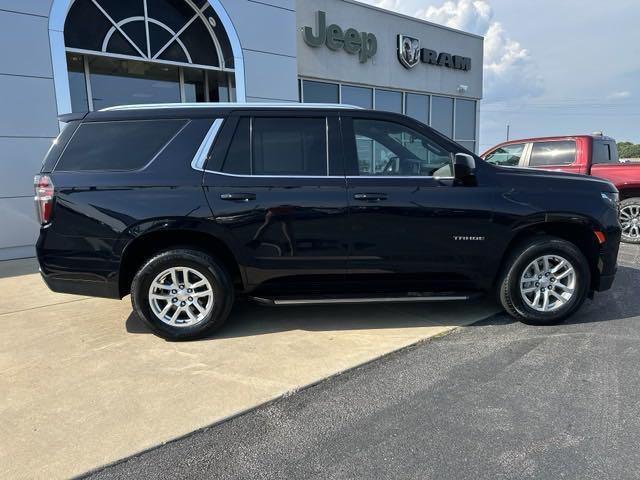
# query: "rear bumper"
71,265
81,287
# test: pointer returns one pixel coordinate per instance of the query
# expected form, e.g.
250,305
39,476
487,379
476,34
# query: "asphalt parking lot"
496,399
85,383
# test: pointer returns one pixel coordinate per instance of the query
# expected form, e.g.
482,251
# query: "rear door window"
278,146
120,145
507,156
553,153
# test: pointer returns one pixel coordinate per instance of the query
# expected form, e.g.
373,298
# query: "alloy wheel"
630,221
548,283
181,297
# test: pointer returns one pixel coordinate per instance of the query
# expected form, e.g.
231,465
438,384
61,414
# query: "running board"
410,298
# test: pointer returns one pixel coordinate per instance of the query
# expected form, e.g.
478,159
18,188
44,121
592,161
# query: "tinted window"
319,92
417,106
465,119
289,146
358,96
442,115
123,82
117,145
508,155
389,101
390,149
604,152
238,159
553,153
57,146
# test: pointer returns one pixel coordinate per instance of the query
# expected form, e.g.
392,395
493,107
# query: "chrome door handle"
370,197
238,197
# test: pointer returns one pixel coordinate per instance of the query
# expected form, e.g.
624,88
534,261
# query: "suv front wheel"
182,294
545,280
630,220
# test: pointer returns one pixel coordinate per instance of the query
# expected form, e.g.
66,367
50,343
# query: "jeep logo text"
351,41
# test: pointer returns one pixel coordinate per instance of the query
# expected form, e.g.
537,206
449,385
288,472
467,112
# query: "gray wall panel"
263,27
33,7
271,76
20,215
28,38
288,4
20,160
28,107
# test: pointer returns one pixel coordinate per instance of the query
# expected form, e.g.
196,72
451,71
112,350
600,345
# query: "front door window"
507,156
390,149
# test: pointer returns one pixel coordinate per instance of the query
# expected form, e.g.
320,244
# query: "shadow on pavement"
248,319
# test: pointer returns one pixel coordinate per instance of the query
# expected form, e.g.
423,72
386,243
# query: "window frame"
532,144
350,148
524,157
218,153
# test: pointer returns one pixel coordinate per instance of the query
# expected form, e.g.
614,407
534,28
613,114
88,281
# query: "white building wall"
27,118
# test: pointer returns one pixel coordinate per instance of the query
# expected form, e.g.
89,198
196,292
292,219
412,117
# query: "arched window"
146,51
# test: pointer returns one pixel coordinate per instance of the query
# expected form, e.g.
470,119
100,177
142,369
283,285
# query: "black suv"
188,207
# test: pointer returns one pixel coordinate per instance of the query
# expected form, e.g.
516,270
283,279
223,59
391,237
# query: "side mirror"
464,169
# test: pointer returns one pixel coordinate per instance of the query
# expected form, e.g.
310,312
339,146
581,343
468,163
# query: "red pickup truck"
595,155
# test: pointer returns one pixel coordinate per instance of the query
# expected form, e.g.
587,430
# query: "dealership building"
62,56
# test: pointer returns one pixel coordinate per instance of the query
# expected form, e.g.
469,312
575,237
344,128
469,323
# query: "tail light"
44,197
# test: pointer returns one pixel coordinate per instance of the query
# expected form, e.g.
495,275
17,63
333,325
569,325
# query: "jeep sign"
410,54
364,44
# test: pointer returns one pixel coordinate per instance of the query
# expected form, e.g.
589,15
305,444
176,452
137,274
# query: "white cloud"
618,95
509,71
394,5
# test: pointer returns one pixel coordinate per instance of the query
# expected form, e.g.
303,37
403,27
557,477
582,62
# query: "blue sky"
552,67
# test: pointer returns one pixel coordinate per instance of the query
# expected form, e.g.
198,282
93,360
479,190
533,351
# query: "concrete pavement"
496,400
84,382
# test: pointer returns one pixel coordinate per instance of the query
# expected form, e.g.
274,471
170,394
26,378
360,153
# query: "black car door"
411,226
277,184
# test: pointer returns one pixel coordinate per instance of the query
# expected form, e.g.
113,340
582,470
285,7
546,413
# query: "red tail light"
43,198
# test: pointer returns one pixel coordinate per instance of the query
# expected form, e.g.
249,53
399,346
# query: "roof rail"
158,106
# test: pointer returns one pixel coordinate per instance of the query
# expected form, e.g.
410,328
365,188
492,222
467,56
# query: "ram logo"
408,51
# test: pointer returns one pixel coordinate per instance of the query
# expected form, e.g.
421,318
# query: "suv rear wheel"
545,280
630,220
182,294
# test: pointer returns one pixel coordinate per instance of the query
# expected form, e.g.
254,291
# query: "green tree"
628,150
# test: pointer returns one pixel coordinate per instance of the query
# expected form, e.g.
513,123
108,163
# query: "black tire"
625,204
205,265
523,255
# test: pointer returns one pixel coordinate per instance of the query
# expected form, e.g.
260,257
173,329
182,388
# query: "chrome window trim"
200,157
242,106
326,176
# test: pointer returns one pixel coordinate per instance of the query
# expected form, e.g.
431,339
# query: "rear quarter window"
119,145
605,152
57,147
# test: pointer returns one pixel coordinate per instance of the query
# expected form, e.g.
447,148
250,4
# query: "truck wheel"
544,281
630,220
182,294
